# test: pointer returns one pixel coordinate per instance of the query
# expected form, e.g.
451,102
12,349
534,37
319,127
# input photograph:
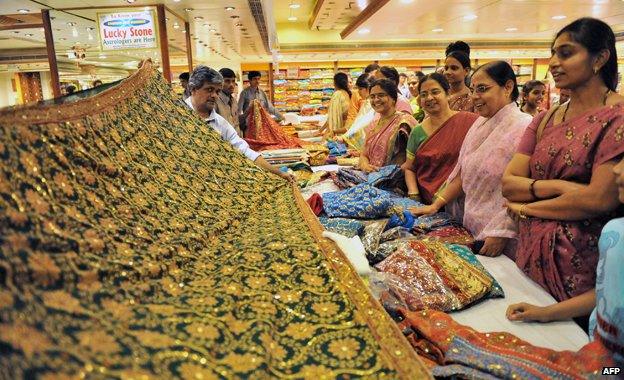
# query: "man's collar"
211,117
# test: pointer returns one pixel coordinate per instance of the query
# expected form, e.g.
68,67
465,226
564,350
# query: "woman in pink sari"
486,151
561,182
386,136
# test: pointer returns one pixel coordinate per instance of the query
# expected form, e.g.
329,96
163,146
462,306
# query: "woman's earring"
596,71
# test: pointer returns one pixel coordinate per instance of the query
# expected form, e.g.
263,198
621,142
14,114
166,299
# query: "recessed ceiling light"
102,56
183,31
198,18
62,39
23,10
130,1
407,1
294,6
206,24
364,31
292,18
188,9
559,17
470,17
511,29
176,26
229,8
384,54
89,28
234,16
212,30
239,24
71,24
437,30
16,32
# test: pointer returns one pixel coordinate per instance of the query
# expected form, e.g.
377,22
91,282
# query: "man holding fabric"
204,85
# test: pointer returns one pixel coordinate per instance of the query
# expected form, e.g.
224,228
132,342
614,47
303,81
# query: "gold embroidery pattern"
135,243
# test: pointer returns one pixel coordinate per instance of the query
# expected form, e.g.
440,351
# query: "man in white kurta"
204,85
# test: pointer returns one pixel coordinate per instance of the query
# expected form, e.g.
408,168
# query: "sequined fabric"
135,243
467,352
430,275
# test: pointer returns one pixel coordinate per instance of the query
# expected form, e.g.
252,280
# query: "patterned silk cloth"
456,351
264,133
135,243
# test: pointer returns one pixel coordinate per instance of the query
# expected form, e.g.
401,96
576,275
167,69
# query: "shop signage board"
127,30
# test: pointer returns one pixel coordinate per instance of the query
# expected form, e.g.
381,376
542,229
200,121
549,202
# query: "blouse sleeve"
611,146
414,141
529,139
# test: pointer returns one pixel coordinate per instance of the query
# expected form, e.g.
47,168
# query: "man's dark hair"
227,73
184,76
253,74
371,67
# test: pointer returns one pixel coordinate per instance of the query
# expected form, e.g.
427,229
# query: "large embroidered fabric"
264,133
135,243
456,350
430,275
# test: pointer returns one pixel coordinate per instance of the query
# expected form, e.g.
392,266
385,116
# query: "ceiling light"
23,10
294,6
229,8
470,17
437,30
407,1
364,31
71,24
292,18
16,32
176,1
62,39
176,26
511,29
384,54
102,56
234,16
198,18
90,28
130,1
239,24
188,9
559,17
183,31
29,34
212,30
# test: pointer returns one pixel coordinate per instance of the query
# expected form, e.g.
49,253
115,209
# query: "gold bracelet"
521,211
442,198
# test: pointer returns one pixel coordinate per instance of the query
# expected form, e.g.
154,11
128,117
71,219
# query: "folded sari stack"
453,350
388,178
429,275
284,156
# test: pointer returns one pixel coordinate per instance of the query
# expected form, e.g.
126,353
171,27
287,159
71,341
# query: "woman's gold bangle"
442,198
521,211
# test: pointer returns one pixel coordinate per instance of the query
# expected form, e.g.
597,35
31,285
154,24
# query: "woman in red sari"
386,136
561,182
434,145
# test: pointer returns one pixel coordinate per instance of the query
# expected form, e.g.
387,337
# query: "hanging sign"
127,30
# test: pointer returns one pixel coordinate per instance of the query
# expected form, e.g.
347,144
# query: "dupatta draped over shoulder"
436,157
561,256
487,149
385,143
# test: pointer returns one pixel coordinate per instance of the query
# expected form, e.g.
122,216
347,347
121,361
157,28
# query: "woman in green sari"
433,146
